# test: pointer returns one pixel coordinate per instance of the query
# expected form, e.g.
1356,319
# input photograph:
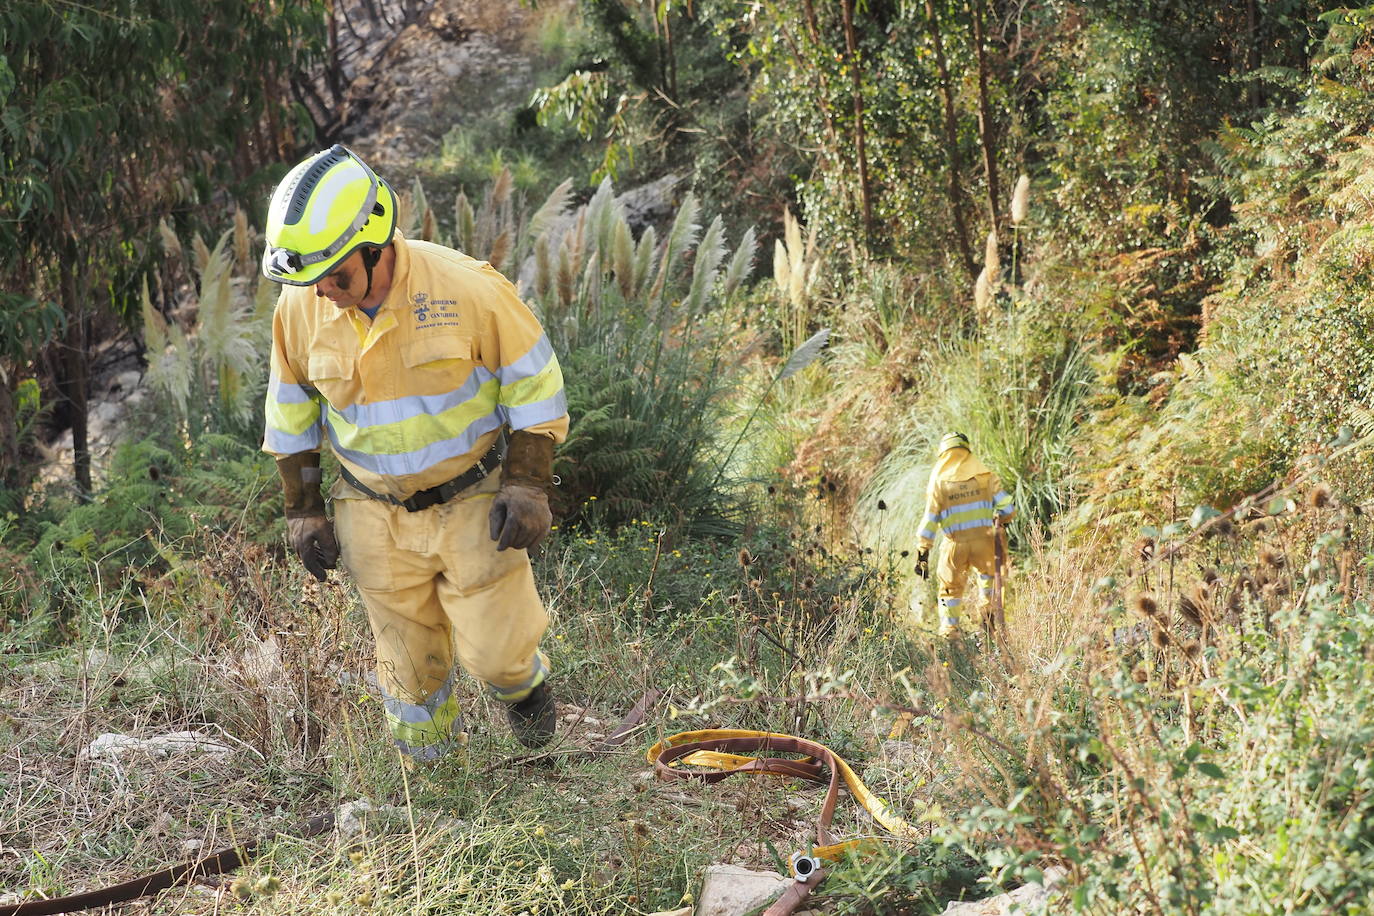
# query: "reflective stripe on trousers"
438,594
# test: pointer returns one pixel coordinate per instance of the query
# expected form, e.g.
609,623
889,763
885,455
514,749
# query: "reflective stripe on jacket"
414,398
961,509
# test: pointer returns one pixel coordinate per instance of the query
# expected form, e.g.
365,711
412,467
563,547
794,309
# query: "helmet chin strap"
370,258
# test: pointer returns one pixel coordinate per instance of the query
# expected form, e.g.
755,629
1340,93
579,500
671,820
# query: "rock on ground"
1029,898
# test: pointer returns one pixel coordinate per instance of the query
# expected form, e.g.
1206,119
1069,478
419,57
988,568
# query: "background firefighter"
964,501
414,360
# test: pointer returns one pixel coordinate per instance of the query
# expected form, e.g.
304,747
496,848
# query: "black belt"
444,491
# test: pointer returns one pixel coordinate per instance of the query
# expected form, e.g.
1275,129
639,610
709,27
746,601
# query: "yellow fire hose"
717,754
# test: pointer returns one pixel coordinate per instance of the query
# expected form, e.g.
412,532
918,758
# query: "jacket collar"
398,295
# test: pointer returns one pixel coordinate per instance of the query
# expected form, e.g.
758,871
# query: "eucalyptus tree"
114,116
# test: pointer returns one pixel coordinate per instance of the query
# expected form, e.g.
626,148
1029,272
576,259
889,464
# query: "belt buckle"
422,500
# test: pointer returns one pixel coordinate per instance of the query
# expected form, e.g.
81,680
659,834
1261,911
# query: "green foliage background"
1168,360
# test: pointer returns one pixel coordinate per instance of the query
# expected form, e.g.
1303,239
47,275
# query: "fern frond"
1362,418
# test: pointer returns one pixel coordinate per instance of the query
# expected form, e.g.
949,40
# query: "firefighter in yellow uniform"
964,500
442,400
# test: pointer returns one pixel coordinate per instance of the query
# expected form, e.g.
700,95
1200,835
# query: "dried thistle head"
1140,674
1319,497
1145,549
1259,525
745,557
1189,610
1145,605
1160,637
1192,649
1222,528
1271,558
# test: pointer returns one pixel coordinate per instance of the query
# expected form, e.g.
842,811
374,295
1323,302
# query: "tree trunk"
986,132
73,379
9,435
856,77
956,165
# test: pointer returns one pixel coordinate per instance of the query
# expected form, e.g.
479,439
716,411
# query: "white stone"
730,890
1026,899
352,816
114,746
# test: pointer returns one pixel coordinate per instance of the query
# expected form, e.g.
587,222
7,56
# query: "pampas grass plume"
1020,200
982,291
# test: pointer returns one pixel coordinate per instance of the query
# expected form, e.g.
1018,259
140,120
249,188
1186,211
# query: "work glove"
520,515
923,563
310,531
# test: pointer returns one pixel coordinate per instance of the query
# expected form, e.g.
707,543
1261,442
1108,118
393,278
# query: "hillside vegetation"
1127,248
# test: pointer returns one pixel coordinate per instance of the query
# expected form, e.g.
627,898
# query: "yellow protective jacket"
416,396
962,499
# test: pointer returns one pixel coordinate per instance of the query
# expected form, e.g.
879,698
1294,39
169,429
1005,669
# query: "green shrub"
647,362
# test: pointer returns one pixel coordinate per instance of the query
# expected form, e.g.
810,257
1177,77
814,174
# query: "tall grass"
647,363
1021,411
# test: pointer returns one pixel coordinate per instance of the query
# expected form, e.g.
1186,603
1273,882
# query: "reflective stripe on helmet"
306,205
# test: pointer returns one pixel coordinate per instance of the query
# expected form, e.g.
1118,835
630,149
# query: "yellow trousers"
974,553
435,588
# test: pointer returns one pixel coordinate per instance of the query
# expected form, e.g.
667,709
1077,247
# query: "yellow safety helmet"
325,209
952,440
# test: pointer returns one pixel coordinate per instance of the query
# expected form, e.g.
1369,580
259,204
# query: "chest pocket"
336,377
441,357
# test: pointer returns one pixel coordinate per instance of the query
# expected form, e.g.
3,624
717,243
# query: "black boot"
534,718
